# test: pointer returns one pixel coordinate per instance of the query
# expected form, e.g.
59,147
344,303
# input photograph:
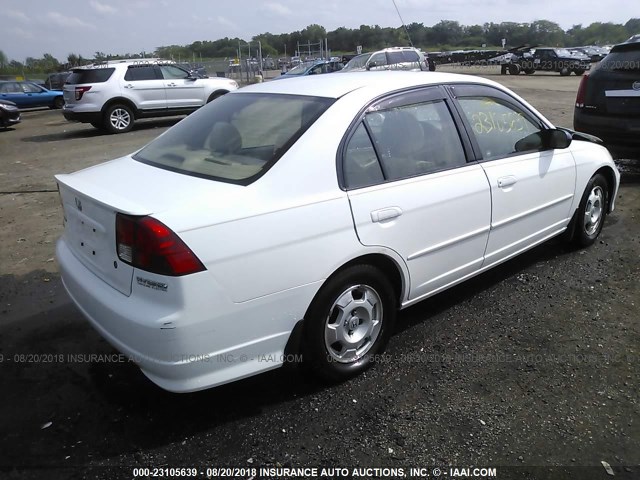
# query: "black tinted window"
142,72
622,61
97,75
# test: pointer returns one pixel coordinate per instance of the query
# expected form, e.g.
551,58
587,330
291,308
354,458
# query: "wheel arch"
120,100
217,93
385,263
610,177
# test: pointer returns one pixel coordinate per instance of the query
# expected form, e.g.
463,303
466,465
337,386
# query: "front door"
182,91
532,188
412,190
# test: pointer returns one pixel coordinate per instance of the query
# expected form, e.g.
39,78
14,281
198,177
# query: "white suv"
112,95
393,58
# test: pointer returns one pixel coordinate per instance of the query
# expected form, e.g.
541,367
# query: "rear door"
182,91
12,91
143,84
412,190
531,190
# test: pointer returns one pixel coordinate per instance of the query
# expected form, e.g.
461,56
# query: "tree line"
444,35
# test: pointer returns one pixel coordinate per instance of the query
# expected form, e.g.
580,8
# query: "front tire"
349,322
591,212
118,119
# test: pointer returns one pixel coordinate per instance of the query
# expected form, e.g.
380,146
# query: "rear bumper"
197,340
84,117
613,130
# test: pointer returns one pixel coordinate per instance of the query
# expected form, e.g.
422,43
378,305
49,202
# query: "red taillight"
148,244
80,91
582,90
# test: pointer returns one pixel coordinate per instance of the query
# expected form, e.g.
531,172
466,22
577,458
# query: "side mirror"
559,139
544,140
371,65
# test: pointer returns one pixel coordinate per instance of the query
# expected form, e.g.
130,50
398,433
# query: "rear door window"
403,136
142,72
10,87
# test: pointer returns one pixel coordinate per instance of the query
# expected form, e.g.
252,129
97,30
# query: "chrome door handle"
171,84
385,214
504,182
128,85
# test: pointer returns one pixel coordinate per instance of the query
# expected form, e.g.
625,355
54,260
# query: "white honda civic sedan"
300,216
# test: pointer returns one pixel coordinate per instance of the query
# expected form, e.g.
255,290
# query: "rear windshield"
97,75
403,56
236,138
628,60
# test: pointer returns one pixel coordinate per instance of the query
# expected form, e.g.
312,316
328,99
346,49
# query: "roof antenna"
403,25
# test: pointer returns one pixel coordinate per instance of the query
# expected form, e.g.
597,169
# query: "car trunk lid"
93,197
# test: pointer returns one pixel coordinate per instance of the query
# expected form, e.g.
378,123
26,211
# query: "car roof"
124,62
338,84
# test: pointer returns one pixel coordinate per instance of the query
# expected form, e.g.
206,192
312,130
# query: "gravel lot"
535,364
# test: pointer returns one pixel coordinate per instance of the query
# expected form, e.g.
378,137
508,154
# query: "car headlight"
8,108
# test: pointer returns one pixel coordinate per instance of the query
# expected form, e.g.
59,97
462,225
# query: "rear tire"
514,69
349,322
529,71
118,119
590,215
58,102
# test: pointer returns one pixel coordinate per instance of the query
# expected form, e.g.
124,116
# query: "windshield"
236,138
357,63
563,52
300,69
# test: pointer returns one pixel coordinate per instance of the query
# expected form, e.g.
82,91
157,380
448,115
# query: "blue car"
30,95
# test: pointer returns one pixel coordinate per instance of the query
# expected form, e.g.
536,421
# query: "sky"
31,28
